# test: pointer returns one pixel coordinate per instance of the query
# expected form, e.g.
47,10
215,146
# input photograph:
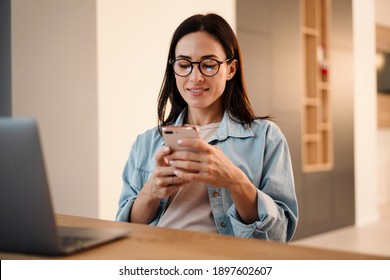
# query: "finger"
166,191
161,154
176,180
187,165
194,144
164,171
165,177
185,176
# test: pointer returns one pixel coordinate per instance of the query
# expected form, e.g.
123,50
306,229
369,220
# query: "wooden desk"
152,243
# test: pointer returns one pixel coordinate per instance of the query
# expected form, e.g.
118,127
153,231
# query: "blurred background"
90,72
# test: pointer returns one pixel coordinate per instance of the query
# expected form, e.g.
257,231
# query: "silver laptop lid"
26,213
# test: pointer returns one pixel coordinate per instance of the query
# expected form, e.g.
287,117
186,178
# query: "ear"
232,69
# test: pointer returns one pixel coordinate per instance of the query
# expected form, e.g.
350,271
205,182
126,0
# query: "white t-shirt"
189,208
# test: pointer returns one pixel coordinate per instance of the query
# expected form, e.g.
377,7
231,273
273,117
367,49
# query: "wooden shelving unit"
383,99
317,146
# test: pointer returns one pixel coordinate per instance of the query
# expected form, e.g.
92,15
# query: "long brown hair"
234,99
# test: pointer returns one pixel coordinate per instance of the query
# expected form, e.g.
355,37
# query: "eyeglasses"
208,67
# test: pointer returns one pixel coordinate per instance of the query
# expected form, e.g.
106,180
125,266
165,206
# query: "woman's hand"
208,165
163,181
161,184
211,166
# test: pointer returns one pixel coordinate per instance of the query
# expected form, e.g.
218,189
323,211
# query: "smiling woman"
202,86
236,178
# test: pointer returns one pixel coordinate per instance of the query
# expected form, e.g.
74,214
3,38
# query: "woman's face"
198,90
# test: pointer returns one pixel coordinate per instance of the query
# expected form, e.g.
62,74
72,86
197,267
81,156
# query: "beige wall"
54,79
382,8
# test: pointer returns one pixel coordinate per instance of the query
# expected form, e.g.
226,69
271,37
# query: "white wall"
90,72
382,17
366,179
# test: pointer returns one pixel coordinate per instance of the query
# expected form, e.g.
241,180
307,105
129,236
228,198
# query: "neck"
203,117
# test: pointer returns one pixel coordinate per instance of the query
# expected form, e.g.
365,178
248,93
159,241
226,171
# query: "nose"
196,76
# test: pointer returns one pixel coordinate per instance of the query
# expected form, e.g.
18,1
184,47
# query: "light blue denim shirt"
260,151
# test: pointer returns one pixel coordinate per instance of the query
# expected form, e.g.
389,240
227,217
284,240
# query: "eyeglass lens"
208,67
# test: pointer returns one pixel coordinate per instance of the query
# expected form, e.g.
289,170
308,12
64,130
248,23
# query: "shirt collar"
227,128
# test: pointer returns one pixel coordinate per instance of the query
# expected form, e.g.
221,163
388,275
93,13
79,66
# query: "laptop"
26,212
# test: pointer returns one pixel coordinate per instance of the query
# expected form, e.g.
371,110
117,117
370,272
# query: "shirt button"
215,194
223,224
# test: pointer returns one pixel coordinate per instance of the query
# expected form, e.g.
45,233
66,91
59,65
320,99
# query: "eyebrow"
203,57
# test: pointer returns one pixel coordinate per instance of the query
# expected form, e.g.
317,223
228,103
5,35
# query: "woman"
237,178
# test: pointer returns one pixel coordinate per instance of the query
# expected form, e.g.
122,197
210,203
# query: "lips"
196,91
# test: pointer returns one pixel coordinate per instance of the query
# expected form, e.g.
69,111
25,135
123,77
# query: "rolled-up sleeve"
135,174
137,171
126,198
276,199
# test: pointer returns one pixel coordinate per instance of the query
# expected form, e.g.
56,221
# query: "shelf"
310,31
323,85
311,138
318,167
325,126
309,10
311,101
317,146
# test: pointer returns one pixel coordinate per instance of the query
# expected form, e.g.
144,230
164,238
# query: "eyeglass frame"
172,61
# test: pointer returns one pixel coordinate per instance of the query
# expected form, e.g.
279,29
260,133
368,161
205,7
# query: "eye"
183,64
209,65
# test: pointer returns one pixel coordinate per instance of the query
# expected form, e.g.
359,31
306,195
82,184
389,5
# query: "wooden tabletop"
153,243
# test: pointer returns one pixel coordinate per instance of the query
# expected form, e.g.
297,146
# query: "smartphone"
172,134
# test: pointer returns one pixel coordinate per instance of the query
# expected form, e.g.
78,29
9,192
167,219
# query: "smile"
197,90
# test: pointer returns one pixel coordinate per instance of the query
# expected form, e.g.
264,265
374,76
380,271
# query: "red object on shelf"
324,69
